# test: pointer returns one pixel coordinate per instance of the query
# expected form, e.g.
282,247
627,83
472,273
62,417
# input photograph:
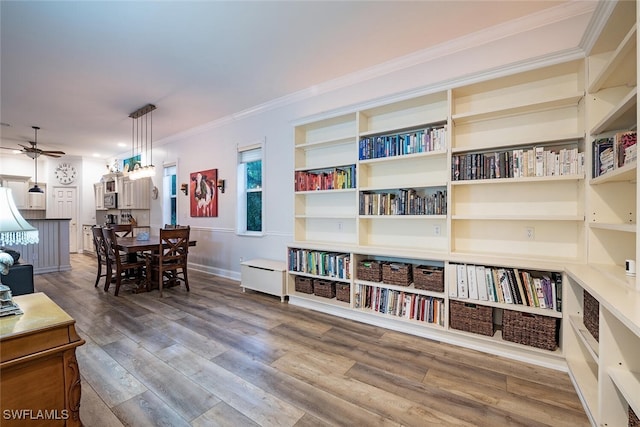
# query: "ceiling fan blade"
9,148
49,152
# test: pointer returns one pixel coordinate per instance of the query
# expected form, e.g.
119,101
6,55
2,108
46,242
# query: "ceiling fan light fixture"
34,155
36,189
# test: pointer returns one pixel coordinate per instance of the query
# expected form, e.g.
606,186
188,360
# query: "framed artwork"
129,164
203,193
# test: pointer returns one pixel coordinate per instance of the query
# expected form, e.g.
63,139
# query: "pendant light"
35,154
142,140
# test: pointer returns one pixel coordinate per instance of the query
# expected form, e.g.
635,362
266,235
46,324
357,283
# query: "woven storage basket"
324,288
471,318
591,314
304,284
428,278
397,273
530,329
343,292
369,270
633,419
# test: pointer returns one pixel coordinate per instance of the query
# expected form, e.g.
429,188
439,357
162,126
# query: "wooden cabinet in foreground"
39,374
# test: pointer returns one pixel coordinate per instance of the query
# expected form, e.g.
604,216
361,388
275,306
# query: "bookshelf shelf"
401,217
520,141
626,173
515,109
532,179
515,307
628,383
623,228
518,217
620,65
585,336
622,116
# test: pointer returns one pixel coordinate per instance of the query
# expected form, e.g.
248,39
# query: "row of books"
401,304
320,263
326,179
506,285
614,152
416,141
403,202
519,163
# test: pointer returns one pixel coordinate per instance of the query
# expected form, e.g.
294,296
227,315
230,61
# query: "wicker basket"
471,318
397,273
591,314
530,329
304,284
324,288
369,270
428,278
343,292
633,419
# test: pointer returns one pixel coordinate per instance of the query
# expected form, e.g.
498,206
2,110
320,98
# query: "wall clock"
65,173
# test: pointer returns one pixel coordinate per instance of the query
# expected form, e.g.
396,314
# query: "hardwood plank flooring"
219,357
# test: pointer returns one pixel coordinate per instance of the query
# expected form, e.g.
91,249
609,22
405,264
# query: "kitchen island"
52,252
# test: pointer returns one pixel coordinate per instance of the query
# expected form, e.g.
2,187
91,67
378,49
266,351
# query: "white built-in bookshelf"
490,182
601,346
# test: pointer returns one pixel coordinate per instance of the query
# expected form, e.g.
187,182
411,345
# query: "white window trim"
241,215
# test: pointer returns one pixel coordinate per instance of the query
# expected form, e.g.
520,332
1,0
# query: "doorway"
65,205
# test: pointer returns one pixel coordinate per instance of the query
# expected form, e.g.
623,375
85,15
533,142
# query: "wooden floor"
220,357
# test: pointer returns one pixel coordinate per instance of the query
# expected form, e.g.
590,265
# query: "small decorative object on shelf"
7,306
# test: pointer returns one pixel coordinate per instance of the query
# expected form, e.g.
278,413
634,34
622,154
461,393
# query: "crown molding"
601,14
540,19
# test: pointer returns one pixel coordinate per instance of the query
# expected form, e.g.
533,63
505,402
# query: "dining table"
134,246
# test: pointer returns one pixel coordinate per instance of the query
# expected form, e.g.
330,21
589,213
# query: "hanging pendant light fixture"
35,155
142,140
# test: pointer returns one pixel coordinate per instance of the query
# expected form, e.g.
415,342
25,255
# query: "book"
472,283
481,280
463,291
491,289
521,290
505,286
452,270
515,292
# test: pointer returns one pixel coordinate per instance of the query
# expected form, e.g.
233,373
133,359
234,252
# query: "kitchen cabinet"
99,192
20,188
135,194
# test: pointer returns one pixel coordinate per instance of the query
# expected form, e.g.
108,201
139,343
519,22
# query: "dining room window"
250,185
169,205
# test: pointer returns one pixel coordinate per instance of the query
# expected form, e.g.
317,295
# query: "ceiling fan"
33,151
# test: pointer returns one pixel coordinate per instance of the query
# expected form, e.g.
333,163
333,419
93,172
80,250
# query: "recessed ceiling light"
96,155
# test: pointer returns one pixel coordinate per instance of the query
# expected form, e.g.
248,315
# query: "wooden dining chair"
124,270
123,230
169,263
101,254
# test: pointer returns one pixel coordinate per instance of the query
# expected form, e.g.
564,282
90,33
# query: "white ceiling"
77,69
